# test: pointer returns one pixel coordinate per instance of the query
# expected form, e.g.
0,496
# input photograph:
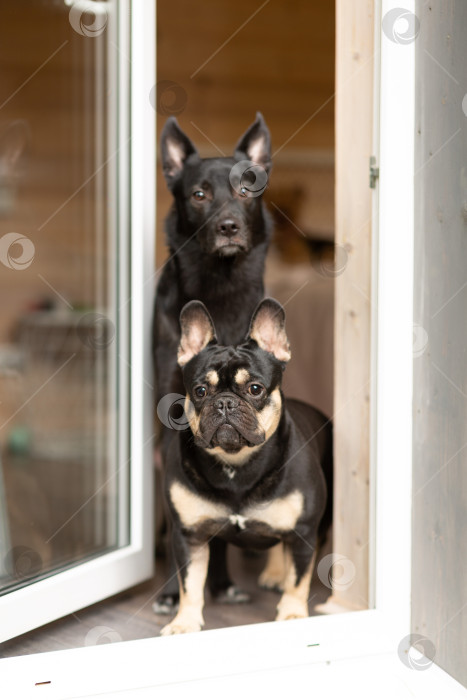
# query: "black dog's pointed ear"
255,144
175,149
267,328
197,331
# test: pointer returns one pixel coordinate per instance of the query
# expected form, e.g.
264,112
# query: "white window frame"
319,654
87,583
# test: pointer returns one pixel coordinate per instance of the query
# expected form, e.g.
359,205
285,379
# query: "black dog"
252,469
218,232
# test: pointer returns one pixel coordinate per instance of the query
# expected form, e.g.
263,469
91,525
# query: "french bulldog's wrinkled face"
236,397
219,199
234,400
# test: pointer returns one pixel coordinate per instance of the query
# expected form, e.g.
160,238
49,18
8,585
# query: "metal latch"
374,172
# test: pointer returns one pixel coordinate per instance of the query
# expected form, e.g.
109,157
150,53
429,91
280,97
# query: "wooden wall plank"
439,536
354,112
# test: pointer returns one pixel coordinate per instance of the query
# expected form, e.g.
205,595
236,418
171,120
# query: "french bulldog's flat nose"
228,227
226,403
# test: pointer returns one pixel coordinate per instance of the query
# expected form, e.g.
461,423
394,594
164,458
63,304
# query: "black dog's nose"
226,403
228,227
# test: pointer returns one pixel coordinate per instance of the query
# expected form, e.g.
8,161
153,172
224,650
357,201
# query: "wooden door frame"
356,57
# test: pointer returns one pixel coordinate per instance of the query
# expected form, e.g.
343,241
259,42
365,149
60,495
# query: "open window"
74,421
319,265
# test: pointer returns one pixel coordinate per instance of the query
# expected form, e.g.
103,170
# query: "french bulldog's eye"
243,191
255,389
199,195
200,392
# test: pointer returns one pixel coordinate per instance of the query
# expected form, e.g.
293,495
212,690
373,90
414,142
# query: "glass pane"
64,463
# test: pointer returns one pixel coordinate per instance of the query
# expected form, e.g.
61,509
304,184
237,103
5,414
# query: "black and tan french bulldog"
253,468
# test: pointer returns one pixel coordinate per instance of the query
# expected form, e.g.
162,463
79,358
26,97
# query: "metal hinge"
374,172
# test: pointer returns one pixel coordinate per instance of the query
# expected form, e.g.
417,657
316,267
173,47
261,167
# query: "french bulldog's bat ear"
255,144
197,331
175,149
267,328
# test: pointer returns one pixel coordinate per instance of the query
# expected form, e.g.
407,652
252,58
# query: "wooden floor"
129,616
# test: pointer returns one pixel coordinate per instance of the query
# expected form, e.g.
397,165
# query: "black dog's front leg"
222,589
220,584
192,561
300,556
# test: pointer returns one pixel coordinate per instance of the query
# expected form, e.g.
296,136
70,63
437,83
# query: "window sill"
329,653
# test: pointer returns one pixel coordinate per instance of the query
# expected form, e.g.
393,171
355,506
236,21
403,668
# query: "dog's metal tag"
238,520
374,172
229,470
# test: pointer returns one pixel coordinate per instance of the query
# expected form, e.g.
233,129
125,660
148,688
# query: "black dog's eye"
199,195
255,389
200,392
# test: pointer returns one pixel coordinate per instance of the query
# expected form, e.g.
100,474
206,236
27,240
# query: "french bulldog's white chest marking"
194,509
280,514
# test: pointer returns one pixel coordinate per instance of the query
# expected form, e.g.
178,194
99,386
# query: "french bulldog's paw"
291,616
271,580
291,608
165,605
232,595
181,624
